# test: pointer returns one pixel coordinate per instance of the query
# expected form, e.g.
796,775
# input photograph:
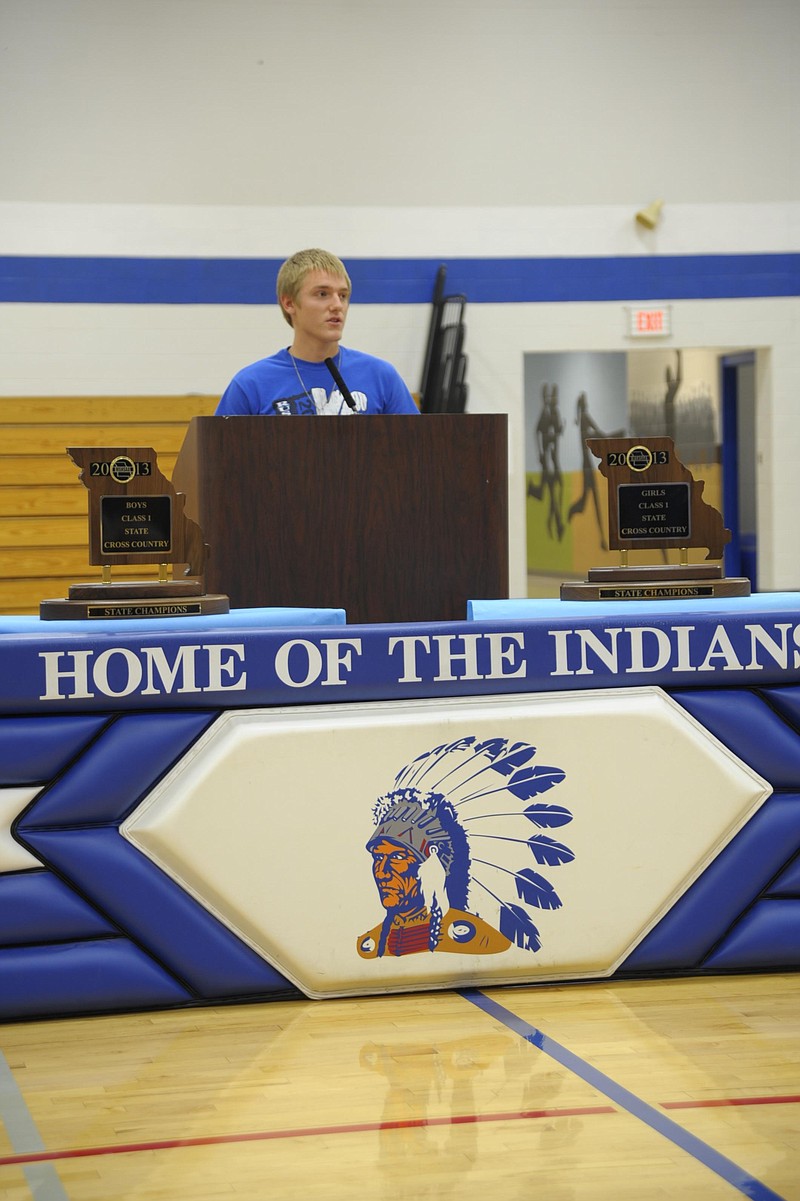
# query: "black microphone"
343,388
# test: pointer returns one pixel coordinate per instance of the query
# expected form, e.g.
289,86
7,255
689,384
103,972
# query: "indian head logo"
453,847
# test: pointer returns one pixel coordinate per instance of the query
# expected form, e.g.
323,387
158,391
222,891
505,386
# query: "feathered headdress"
466,809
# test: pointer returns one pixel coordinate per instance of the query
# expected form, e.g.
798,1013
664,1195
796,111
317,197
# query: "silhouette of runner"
549,429
588,429
537,490
673,384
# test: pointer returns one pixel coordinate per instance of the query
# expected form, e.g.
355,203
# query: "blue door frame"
740,553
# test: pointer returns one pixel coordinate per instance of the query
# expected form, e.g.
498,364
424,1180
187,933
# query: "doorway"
738,409
635,393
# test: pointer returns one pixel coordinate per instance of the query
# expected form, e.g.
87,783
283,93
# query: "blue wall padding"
746,724
81,978
767,938
156,913
726,889
36,907
34,749
788,882
118,769
786,701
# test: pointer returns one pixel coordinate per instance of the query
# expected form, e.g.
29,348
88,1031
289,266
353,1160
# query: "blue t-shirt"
285,387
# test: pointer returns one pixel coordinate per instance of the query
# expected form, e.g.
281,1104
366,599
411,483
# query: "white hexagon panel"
392,846
13,857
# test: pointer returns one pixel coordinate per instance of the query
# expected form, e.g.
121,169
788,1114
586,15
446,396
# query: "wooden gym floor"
580,1092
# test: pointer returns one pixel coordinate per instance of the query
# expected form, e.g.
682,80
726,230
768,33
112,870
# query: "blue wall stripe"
658,1121
28,279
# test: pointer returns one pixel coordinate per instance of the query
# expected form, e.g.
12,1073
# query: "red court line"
369,1127
792,1099
303,1132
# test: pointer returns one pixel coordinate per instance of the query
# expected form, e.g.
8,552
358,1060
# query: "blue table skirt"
528,609
236,619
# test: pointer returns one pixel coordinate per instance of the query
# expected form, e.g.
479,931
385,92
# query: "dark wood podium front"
392,518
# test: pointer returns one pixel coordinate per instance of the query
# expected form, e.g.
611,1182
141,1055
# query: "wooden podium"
392,518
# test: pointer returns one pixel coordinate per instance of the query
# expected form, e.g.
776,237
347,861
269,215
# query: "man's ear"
288,306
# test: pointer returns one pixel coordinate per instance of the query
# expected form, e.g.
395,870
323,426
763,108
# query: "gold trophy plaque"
135,517
655,503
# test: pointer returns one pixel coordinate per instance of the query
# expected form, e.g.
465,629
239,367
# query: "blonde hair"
296,268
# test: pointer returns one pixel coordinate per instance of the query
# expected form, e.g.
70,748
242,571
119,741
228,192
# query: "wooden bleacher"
43,504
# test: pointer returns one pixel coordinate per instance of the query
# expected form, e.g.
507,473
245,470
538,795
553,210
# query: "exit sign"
649,322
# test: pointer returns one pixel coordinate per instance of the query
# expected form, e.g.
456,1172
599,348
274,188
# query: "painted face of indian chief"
395,870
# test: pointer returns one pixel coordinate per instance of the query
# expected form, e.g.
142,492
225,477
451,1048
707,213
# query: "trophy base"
134,598
624,575
694,582
132,589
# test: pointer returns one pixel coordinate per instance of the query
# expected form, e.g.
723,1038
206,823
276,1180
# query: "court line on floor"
727,1102
24,1137
258,1136
29,1147
638,1108
515,1115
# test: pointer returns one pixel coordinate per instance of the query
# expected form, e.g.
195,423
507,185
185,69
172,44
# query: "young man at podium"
316,375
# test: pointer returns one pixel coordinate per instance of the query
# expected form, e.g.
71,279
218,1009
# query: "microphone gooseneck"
343,388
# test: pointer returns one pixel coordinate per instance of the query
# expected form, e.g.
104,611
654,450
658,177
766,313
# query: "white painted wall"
433,129
366,102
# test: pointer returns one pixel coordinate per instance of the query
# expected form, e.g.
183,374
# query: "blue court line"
724,1167
24,1137
99,279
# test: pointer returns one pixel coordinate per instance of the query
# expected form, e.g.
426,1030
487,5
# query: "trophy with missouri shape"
655,503
135,517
